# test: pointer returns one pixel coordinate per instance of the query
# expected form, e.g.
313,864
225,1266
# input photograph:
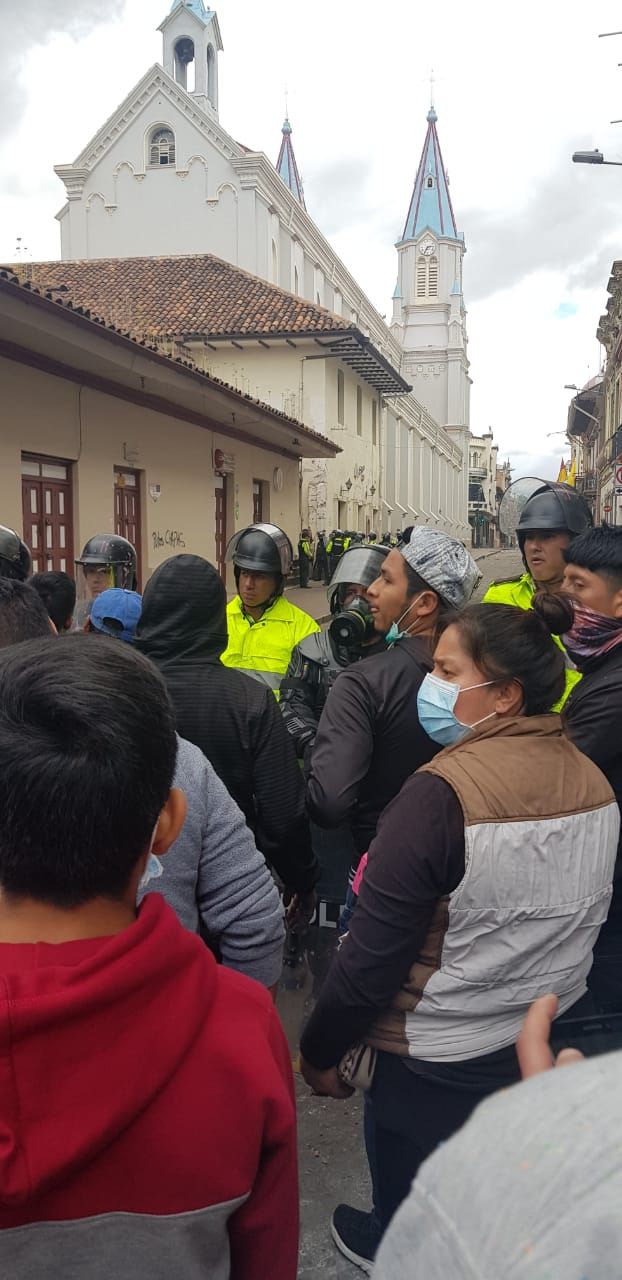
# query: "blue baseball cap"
116,613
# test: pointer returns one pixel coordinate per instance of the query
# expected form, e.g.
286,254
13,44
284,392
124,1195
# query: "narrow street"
332,1160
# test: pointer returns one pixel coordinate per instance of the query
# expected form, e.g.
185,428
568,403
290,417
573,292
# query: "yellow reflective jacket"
520,592
264,648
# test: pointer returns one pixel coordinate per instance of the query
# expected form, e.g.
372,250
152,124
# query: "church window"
184,63
318,299
374,422
340,396
275,263
429,182
359,411
162,147
296,289
426,277
433,278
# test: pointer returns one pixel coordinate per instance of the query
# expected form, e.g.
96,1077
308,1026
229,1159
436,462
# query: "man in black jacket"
593,713
369,739
233,719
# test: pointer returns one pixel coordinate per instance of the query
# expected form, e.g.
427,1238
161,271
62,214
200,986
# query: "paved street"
330,1138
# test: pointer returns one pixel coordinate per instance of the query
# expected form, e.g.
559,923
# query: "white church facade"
163,177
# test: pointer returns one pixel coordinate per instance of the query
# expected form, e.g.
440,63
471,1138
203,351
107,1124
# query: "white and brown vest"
541,833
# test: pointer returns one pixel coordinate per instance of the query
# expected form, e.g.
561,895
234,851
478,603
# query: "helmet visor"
358,564
513,501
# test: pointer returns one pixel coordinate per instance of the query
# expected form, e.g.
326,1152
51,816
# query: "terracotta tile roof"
179,296
22,278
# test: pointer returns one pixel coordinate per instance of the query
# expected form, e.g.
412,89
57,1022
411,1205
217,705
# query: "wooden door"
221,526
47,514
127,511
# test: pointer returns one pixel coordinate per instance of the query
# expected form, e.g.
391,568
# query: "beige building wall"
50,416
296,381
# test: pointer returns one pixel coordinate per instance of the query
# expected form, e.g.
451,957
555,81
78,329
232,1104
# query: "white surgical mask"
153,866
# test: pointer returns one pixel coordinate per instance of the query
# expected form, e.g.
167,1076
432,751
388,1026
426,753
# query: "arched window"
275,263
184,63
296,290
162,147
340,396
429,182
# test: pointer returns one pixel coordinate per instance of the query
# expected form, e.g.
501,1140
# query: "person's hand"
299,908
533,1048
325,1084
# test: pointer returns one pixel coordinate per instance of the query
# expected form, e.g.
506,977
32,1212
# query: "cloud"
340,192
31,23
561,227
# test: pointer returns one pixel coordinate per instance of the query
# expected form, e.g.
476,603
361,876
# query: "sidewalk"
312,599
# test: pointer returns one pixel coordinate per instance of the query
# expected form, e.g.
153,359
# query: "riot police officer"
305,556
15,559
335,547
319,658
315,665
263,627
107,560
545,516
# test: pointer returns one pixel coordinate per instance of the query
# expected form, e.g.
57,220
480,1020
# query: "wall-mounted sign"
154,491
224,463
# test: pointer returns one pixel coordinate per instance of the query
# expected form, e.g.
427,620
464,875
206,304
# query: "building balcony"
478,473
586,484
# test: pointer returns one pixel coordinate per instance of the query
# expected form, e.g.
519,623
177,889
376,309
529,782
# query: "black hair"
87,756
58,593
23,616
507,643
600,551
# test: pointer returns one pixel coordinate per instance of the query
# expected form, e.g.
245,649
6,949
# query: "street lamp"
593,157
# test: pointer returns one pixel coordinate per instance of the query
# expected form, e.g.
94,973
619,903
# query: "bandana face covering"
591,635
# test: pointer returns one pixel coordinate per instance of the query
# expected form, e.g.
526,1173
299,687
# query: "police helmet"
110,550
555,507
15,560
357,564
261,548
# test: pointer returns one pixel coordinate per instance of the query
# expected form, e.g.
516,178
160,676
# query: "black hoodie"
232,718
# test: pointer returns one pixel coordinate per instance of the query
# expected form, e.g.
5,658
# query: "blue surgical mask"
436,700
394,634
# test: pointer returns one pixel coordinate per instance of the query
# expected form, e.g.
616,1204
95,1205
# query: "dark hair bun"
556,611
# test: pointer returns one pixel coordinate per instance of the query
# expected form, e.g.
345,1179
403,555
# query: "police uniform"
520,592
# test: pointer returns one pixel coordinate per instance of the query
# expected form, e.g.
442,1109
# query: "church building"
163,179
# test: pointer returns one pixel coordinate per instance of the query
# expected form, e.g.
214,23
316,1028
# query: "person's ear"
509,698
171,821
427,603
617,604
53,627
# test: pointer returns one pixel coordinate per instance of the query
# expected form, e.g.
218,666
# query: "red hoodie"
149,1091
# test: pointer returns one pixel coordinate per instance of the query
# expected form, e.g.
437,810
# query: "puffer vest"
541,832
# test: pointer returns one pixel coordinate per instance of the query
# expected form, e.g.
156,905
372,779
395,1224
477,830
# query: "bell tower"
429,316
191,45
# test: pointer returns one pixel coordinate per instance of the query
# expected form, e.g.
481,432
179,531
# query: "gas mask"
352,625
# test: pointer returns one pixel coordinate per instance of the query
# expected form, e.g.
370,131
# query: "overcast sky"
517,90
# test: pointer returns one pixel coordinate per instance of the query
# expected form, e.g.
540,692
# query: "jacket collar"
548,725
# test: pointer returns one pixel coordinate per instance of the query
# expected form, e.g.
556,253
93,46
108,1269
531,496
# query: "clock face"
428,248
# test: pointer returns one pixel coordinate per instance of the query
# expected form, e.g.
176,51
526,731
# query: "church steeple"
191,45
286,164
430,205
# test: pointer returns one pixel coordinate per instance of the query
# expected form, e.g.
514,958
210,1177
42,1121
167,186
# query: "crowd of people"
182,778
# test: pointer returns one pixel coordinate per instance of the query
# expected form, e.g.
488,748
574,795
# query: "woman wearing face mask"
478,896
369,740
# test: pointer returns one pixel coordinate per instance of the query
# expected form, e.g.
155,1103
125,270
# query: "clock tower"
429,317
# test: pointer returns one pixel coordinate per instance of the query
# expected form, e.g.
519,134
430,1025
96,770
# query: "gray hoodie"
529,1189
214,878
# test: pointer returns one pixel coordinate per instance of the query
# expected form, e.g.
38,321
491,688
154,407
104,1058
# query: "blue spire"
430,205
197,7
286,164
